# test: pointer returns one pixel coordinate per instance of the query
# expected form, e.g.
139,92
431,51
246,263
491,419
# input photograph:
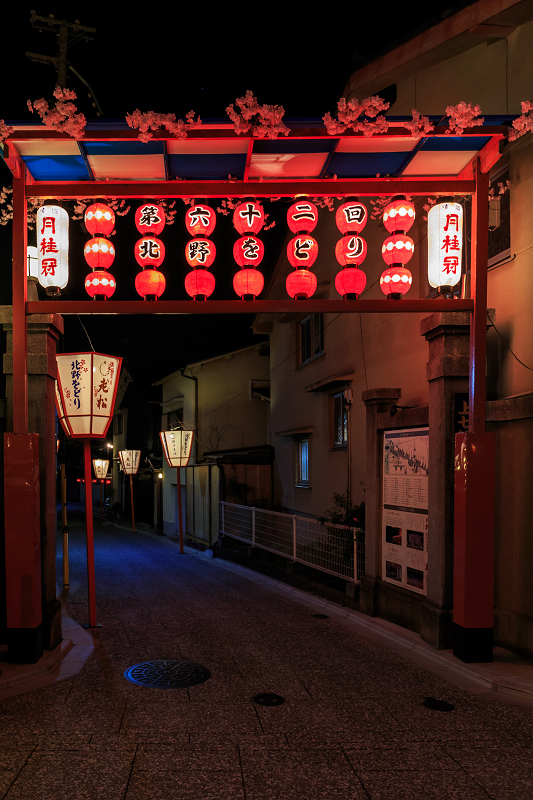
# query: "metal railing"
335,549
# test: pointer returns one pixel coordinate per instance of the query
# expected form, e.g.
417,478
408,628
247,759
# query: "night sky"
170,59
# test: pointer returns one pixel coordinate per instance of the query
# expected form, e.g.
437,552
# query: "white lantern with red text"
52,246
129,461
445,244
177,447
85,393
100,466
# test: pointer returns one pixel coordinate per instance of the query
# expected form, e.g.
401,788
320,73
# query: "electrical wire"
506,343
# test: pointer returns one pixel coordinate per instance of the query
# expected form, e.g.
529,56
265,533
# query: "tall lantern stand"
177,448
129,461
86,388
100,466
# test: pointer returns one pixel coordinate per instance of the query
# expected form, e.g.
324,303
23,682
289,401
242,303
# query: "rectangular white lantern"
100,466
445,244
177,447
52,247
86,390
129,461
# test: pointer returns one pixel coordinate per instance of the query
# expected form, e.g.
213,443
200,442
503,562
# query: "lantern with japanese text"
100,284
302,252
248,251
150,284
86,388
351,216
399,215
301,284
150,219
149,252
99,253
177,449
200,220
249,217
52,246
445,245
200,253
100,466
351,251
129,461
302,216
350,282
99,219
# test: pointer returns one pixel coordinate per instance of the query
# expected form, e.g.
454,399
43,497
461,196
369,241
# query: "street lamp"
129,461
177,448
86,389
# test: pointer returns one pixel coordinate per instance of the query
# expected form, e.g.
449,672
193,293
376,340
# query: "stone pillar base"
436,626
24,645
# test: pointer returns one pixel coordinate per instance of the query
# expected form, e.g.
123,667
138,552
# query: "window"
302,476
311,338
499,219
340,420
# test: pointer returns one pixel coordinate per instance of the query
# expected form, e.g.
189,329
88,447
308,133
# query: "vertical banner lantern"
150,251
52,247
129,461
302,250
445,245
177,448
200,252
397,249
99,252
248,250
86,389
350,251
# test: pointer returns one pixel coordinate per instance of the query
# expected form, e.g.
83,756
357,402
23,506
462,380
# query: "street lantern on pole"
177,448
129,461
86,389
100,466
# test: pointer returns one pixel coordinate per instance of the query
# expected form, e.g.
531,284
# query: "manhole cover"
437,705
167,674
268,699
320,616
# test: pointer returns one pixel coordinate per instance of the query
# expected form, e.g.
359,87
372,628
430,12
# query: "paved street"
352,724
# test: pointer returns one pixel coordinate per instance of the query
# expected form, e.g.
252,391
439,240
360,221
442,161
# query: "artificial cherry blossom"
63,115
462,116
523,123
262,122
152,121
419,126
349,112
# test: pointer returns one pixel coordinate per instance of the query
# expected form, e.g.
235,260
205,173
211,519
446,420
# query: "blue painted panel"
366,165
123,148
206,167
57,168
455,143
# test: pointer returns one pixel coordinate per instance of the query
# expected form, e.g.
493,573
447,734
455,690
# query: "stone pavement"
353,724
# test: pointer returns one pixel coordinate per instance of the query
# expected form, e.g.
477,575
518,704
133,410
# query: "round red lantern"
399,215
396,280
99,218
200,253
249,217
302,216
351,217
99,253
248,250
200,220
150,282
248,282
301,284
350,282
302,252
149,251
100,284
150,219
199,283
350,250
398,249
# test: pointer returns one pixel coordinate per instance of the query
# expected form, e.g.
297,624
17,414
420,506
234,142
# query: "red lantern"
350,282
100,284
351,217
350,250
199,283
200,220
398,249
99,253
200,252
301,284
249,217
150,219
149,251
399,215
150,282
248,282
99,218
248,250
302,216
302,252
396,280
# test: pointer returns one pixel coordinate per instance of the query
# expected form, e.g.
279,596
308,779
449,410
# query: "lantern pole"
132,506
63,479
90,539
180,519
101,483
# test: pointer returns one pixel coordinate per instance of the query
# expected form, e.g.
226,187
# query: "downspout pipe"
195,443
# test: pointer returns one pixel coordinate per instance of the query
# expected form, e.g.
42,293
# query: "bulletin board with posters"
405,508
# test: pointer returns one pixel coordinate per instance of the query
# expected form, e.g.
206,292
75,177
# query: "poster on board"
405,508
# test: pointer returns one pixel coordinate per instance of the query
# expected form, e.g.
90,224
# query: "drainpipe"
195,442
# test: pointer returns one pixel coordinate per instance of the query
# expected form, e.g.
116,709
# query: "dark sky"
169,59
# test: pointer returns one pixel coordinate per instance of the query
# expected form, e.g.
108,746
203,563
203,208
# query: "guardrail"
336,549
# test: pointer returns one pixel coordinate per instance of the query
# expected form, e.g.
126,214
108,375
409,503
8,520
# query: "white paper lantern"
100,466
177,447
129,461
52,247
445,244
85,393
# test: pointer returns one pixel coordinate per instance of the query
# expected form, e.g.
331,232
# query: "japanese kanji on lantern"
302,250
397,249
200,252
129,461
177,449
52,246
150,251
350,251
445,245
85,393
248,250
99,252
100,466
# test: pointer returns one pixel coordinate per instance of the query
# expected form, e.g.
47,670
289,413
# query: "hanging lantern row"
99,252
200,252
302,250
248,250
398,249
350,251
150,251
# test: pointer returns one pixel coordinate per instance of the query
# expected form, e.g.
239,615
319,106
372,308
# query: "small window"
499,219
311,338
340,420
303,463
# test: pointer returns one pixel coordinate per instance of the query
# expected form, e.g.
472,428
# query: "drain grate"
268,699
437,705
167,674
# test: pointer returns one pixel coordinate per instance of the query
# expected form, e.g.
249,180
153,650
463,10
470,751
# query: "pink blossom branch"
523,123
63,115
349,113
262,122
419,126
152,121
5,130
462,116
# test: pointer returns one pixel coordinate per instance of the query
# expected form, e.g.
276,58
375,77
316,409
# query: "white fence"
328,548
